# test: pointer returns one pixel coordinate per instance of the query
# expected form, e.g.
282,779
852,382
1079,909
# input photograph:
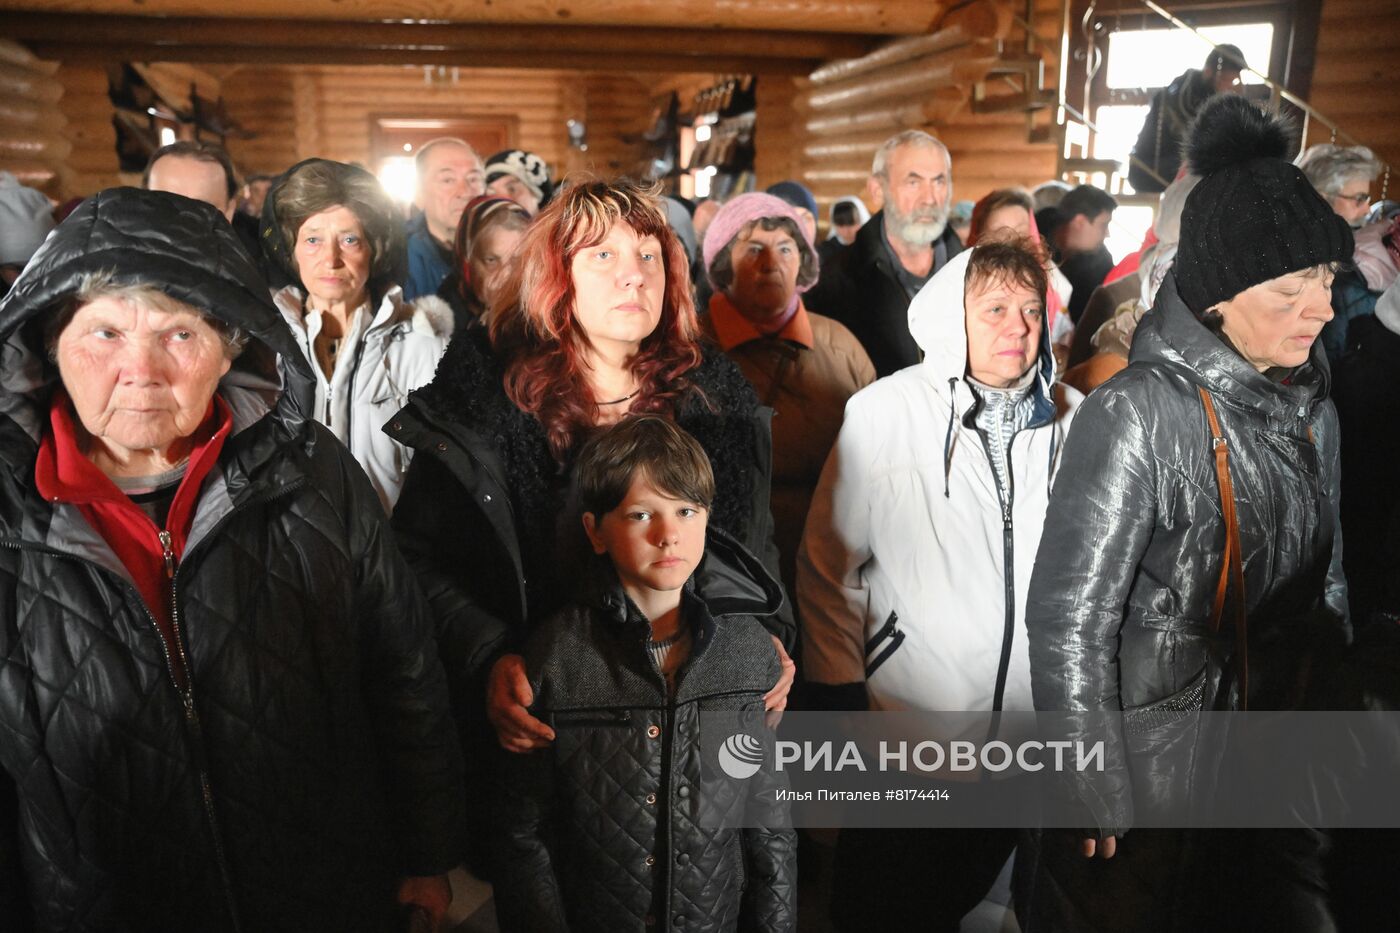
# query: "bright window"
1118,127
1130,224
399,176
1153,57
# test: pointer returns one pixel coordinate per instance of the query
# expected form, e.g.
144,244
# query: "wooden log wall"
327,111
33,146
614,106
92,165
303,111
1358,44
824,129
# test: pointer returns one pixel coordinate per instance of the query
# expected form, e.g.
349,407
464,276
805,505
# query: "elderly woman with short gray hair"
333,234
1343,176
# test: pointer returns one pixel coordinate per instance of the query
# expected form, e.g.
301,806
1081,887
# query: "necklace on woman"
619,401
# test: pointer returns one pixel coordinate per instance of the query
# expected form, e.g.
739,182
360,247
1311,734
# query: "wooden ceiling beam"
579,61
883,17
483,37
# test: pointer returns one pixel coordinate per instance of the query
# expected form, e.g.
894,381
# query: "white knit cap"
26,217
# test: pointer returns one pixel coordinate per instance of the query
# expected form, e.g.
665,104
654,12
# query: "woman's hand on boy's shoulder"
508,696
775,700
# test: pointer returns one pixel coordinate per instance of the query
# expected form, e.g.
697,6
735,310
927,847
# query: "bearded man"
868,287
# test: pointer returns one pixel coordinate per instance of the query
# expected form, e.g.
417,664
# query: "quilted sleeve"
526,887
770,898
407,694
770,859
14,899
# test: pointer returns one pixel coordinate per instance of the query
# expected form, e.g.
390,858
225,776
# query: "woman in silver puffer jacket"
1122,611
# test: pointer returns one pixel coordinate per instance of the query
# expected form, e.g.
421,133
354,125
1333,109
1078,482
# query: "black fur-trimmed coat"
482,504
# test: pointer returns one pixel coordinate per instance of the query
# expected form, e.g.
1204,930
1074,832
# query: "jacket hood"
388,270
729,581
938,323
1171,335
187,250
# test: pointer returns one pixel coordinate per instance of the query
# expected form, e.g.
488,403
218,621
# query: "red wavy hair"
535,332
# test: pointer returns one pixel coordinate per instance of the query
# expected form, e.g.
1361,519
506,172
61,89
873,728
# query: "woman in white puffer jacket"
916,545
331,229
917,555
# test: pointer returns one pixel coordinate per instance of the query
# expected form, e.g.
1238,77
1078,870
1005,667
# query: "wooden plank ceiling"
759,36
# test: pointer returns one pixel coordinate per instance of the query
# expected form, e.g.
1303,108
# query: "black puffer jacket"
312,763
611,828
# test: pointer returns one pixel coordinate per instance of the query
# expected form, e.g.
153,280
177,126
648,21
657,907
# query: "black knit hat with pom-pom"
1254,216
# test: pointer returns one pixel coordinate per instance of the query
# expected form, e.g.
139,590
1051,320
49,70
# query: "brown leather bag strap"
1231,568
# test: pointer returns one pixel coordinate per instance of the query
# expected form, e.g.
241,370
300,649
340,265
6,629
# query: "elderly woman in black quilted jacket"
220,703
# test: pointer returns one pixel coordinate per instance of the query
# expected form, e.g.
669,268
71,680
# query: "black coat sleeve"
527,890
769,903
448,543
406,691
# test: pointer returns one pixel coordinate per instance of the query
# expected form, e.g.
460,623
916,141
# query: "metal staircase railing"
1277,94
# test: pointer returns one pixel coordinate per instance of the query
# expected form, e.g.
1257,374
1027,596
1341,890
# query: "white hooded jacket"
902,579
385,357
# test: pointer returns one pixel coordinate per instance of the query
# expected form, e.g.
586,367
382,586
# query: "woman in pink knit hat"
804,366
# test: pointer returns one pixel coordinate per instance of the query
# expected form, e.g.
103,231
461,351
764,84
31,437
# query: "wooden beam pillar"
876,17
541,40
306,104
579,61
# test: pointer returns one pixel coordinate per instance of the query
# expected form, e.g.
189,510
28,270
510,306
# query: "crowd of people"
340,548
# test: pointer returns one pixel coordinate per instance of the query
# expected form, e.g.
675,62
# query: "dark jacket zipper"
890,630
186,694
196,730
1008,571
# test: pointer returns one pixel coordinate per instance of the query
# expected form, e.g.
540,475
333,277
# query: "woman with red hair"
595,323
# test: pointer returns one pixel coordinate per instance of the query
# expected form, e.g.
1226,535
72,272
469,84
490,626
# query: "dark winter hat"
1254,216
795,193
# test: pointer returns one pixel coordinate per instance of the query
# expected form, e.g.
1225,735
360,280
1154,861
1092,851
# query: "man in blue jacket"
450,174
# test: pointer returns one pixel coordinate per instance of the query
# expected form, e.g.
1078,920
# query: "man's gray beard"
917,234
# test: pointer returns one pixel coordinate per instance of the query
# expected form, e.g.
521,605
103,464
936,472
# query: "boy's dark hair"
1016,260
650,446
1086,200
200,151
